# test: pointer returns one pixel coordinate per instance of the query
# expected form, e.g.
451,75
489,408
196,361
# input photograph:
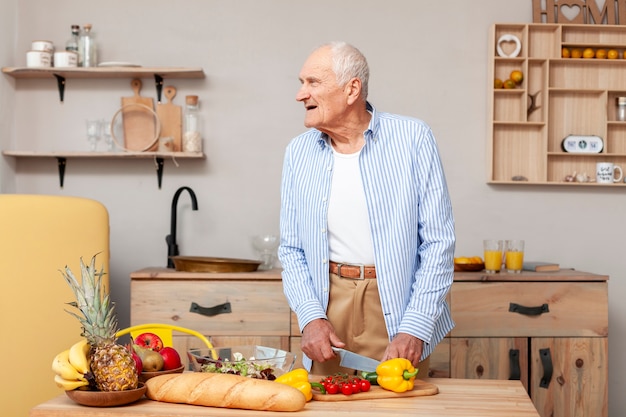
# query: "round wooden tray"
106,399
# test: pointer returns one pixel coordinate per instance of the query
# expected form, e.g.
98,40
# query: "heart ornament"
508,46
571,11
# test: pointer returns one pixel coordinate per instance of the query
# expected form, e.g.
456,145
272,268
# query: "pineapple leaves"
95,308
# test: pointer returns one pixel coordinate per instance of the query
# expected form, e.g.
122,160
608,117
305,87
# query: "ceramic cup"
45,46
605,173
65,59
38,59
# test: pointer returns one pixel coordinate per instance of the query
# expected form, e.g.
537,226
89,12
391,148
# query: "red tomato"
364,385
332,388
356,388
346,389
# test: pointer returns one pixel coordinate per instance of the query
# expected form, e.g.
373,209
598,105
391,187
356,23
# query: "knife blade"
355,361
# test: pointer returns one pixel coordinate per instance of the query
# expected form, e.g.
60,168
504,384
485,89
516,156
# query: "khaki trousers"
355,312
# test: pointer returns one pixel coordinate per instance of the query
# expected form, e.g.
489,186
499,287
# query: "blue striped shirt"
410,216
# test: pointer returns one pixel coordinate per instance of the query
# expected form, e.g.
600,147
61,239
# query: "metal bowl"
208,264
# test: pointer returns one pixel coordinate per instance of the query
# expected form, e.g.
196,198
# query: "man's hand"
405,346
318,337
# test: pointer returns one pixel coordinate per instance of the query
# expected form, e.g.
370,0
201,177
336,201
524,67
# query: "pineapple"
112,365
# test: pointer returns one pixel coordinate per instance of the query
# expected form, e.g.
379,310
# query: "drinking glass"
493,255
94,131
266,246
514,256
105,128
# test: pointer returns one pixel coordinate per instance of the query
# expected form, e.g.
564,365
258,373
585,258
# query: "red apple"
138,363
171,358
150,341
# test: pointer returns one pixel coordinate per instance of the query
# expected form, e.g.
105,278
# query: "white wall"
8,32
428,59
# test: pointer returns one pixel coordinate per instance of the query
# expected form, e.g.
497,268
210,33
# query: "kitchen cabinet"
549,330
63,74
247,308
559,97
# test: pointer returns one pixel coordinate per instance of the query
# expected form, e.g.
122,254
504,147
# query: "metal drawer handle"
529,311
514,364
546,361
210,311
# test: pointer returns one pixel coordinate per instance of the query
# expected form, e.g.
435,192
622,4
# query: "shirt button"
324,261
323,230
325,289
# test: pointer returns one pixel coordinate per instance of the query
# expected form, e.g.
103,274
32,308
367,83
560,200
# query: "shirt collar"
369,133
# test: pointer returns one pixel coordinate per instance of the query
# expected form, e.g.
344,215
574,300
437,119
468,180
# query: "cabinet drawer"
573,309
257,307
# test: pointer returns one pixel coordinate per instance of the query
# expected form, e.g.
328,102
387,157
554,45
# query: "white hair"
348,63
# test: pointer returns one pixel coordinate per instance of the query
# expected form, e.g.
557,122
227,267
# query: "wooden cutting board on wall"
171,119
139,121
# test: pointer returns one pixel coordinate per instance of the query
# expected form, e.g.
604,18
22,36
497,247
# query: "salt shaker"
192,138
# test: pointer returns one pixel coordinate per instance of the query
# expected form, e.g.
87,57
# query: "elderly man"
367,231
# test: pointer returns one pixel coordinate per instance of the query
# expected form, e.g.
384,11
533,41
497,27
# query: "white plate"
117,64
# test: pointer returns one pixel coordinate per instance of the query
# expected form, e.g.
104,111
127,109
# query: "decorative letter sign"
612,12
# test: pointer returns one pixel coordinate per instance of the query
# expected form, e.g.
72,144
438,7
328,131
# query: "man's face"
324,101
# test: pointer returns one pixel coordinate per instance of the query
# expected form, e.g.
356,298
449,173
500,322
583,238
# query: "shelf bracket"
61,162
61,86
159,165
159,86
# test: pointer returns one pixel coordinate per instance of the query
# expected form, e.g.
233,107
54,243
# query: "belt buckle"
361,268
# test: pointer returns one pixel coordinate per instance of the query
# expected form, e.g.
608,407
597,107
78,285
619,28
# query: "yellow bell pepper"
396,375
299,379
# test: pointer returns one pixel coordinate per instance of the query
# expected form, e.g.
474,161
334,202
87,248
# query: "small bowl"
144,376
268,362
469,267
106,398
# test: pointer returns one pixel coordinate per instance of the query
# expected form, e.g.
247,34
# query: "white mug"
605,173
38,59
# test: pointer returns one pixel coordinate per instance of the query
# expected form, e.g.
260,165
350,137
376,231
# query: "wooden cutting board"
139,122
171,119
420,389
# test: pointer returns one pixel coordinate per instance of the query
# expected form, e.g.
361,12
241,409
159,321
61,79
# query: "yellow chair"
164,331
39,236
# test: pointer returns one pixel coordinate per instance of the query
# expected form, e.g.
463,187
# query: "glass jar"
620,103
88,50
192,137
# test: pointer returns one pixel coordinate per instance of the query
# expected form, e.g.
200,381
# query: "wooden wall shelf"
574,96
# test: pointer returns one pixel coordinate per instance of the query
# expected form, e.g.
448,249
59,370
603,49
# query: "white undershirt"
349,236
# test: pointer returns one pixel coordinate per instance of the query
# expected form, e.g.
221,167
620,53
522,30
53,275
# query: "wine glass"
266,246
94,131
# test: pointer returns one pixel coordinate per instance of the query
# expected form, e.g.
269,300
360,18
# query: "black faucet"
172,247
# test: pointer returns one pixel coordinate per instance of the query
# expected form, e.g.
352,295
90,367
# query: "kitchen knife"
356,361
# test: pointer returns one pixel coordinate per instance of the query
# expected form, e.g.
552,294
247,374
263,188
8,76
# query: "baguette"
224,390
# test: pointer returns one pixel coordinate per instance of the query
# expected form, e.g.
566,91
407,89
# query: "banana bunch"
71,366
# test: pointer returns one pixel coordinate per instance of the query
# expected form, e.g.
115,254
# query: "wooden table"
457,397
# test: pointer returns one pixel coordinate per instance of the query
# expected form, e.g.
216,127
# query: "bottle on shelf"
88,50
72,43
192,136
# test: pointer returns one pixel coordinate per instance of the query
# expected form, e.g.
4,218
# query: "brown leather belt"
353,271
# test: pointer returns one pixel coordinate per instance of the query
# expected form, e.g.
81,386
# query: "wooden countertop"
156,273
457,397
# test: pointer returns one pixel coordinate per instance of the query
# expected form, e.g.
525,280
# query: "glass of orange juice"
493,255
514,256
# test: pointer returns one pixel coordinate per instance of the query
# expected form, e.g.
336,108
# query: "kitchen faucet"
172,247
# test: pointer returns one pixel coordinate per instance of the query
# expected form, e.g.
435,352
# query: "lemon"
588,53
601,54
565,53
462,260
612,54
577,53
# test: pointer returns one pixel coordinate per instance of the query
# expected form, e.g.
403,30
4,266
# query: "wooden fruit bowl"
106,399
473,267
